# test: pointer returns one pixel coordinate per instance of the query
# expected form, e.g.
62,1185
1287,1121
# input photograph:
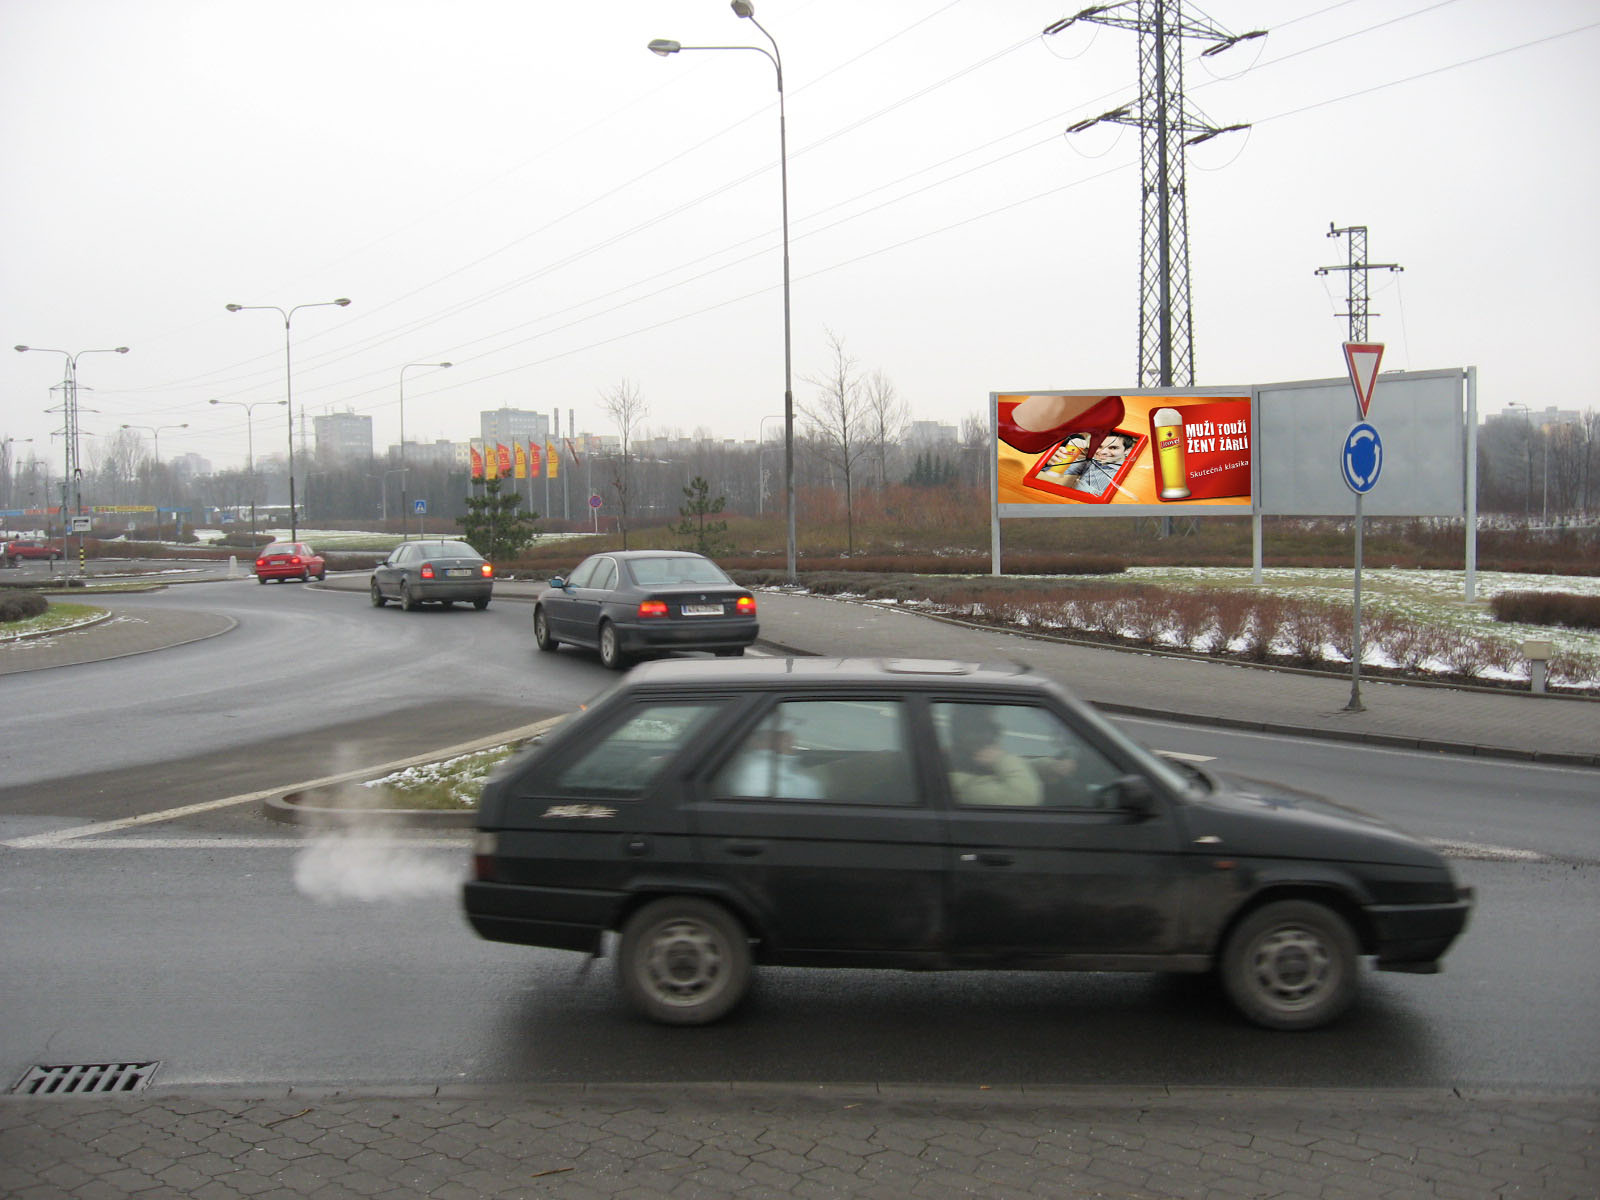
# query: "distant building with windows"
925,435
343,437
507,426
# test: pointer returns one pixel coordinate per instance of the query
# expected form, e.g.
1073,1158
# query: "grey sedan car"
637,603
433,572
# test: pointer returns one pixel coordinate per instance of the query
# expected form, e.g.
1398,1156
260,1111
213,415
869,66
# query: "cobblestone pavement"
766,1140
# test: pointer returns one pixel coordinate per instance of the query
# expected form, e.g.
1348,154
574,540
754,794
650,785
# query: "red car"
21,548
290,560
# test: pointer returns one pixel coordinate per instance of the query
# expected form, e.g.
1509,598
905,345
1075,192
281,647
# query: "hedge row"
1547,608
21,605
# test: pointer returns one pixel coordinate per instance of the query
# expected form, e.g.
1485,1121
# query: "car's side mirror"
557,582
1133,795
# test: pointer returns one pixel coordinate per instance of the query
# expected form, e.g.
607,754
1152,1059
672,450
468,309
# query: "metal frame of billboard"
1466,410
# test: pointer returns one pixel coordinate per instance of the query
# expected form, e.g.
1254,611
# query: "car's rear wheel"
611,656
305,576
481,603
1292,964
407,601
684,961
378,598
261,578
541,631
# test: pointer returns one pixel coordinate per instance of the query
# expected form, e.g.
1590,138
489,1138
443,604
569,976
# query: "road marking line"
36,840
1180,755
1476,850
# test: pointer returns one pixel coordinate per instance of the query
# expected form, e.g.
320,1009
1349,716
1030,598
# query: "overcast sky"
520,187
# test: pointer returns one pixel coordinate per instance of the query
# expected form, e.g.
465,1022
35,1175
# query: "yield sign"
1362,359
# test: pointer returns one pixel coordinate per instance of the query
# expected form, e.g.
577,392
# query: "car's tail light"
427,571
488,570
261,562
652,608
294,560
747,606
484,846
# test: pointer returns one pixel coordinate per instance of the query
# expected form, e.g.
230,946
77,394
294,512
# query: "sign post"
1360,463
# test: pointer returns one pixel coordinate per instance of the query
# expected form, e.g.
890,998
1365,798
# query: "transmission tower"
1167,127
1357,268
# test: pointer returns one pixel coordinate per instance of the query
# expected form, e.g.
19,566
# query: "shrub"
1267,615
18,605
1307,629
1573,666
1547,608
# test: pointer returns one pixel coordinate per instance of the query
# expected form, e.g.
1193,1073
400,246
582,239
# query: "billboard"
1135,453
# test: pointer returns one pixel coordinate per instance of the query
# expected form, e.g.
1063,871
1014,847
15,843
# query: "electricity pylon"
1357,267
1167,127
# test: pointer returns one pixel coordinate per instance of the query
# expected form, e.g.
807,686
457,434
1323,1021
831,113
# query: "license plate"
459,572
702,610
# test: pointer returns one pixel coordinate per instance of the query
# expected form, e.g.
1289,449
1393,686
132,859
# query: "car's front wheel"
1292,964
611,656
541,631
684,961
378,598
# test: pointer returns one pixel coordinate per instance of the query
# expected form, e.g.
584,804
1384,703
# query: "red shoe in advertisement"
1039,423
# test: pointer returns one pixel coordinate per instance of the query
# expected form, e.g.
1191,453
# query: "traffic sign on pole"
420,507
1362,359
1361,460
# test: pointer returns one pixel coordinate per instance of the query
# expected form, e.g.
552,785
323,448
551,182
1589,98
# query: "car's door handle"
989,859
745,849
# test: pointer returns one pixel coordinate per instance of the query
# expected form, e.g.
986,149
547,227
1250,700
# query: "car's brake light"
261,562
484,846
294,560
427,571
488,570
652,608
747,606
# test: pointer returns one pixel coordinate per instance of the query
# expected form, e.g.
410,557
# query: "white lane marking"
60,836
1182,757
1476,850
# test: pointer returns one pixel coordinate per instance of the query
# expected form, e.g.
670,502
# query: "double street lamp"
404,478
155,436
249,407
745,9
288,383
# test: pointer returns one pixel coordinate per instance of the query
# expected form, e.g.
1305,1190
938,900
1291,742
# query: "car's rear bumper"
284,572
451,589
711,633
560,918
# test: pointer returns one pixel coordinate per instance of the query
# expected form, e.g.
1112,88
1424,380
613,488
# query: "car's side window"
605,575
1019,756
836,751
582,572
627,760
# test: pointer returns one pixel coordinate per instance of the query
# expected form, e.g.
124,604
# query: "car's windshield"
656,572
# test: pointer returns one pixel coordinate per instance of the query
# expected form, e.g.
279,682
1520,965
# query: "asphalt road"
236,950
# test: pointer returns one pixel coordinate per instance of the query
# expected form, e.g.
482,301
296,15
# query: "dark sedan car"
632,603
818,812
433,572
290,560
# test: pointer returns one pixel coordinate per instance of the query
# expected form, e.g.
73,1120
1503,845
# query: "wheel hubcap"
685,962
1292,967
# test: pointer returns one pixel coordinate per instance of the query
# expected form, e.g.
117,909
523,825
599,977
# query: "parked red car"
290,560
21,548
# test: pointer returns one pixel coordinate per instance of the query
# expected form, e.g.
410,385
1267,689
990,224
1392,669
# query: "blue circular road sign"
1361,461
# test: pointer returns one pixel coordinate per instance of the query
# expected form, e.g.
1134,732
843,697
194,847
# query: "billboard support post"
1471,498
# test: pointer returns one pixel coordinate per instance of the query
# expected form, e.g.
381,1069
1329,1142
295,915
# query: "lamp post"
70,407
405,520
249,407
155,436
288,382
1527,454
745,10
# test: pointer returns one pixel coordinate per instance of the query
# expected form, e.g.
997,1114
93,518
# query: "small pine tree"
705,536
495,525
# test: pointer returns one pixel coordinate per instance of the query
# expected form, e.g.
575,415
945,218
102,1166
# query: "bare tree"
839,422
625,405
977,449
887,419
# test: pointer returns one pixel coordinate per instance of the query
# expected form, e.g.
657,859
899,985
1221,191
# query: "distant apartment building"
189,465
439,453
507,426
925,435
343,437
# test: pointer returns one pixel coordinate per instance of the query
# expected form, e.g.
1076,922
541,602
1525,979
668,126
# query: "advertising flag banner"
505,460
491,461
522,461
573,451
1177,450
536,468
554,455
475,449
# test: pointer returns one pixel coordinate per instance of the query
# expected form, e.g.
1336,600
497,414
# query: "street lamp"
288,383
404,519
1527,453
664,47
249,407
70,407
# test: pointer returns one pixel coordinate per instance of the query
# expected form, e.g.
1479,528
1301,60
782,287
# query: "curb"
300,808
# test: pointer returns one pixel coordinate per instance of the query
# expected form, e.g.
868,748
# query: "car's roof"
635,555
811,672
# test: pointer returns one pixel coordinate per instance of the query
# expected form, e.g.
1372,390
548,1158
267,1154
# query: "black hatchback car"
632,603
928,815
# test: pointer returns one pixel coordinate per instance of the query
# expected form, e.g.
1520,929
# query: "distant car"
433,572
21,548
920,815
290,560
632,603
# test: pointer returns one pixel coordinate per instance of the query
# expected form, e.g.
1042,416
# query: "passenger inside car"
982,770
768,765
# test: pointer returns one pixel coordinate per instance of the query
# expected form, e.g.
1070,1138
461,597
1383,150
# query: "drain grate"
84,1079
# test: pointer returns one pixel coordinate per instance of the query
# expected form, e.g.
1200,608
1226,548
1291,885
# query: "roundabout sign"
1361,460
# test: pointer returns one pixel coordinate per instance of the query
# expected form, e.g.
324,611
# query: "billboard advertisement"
1128,454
